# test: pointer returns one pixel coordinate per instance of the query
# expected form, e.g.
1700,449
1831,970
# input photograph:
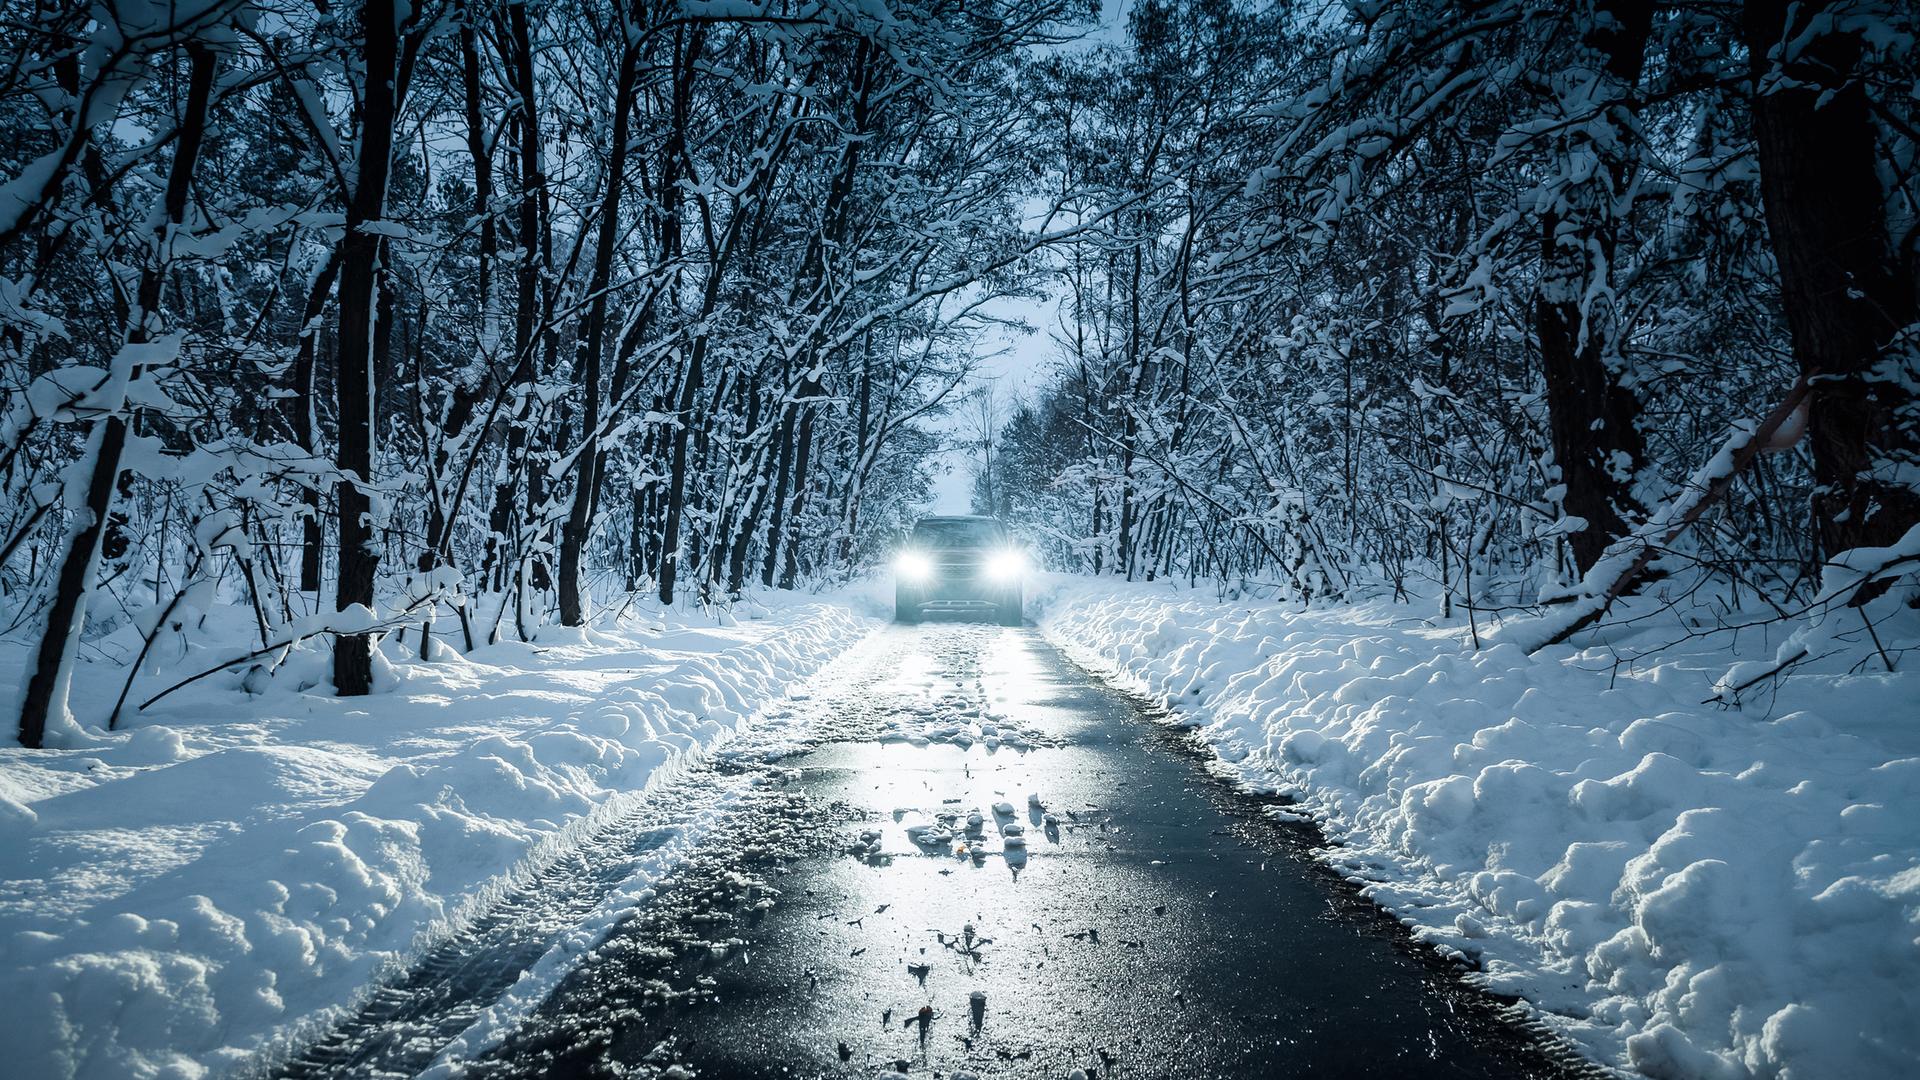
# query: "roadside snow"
1684,890
178,898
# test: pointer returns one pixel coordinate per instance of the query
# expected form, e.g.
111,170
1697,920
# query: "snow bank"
1686,891
181,897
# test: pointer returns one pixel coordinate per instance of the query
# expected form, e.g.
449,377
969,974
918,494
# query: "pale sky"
1015,363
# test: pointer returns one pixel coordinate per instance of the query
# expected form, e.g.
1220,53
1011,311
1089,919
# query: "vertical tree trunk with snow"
647,550
670,541
497,572
1592,417
49,672
823,249
479,153
674,548
1849,300
1130,426
811,389
573,537
470,386
354,383
301,414
781,470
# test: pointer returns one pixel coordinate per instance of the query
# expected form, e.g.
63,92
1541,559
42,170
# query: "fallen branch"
1626,559
398,619
146,644
1854,579
1730,695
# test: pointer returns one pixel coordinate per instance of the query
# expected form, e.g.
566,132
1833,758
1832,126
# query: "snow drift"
1685,891
182,897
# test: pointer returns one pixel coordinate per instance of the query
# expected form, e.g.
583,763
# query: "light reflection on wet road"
1156,925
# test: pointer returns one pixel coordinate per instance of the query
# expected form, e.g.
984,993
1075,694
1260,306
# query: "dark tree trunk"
1130,426
301,416
354,383
1592,419
495,572
669,559
644,535
782,476
736,571
863,411
45,693
783,536
1846,296
670,541
477,151
802,464
470,387
573,537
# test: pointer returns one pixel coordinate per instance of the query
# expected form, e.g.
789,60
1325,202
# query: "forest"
501,500
448,321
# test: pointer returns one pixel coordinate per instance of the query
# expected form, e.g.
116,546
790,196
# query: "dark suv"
958,564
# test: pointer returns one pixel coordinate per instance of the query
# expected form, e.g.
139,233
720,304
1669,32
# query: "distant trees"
1464,292
468,311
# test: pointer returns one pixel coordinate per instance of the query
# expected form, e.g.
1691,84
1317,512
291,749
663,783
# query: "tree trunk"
50,672
782,477
573,536
495,574
1591,417
301,416
669,561
1846,297
1130,426
354,383
802,465
482,163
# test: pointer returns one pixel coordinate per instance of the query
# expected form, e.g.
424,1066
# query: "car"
959,563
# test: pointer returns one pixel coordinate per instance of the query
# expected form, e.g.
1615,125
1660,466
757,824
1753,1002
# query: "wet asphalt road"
1160,926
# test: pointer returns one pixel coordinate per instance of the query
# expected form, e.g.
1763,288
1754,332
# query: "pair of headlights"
1001,566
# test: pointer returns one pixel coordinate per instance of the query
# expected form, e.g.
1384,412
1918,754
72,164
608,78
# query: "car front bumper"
965,588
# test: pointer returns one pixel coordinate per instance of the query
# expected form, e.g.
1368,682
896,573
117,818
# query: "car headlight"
913,566
1006,566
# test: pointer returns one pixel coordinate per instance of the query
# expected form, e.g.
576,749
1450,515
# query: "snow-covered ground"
1686,890
233,868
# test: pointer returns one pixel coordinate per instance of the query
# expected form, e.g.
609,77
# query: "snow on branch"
1626,559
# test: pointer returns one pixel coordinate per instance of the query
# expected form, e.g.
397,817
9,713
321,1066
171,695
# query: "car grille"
958,575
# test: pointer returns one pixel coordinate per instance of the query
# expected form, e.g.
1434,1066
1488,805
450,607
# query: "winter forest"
500,312
395,351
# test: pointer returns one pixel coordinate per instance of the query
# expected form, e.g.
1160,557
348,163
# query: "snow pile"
187,895
959,721
953,707
950,830
1685,890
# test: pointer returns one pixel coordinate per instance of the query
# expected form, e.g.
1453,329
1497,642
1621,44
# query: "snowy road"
1154,924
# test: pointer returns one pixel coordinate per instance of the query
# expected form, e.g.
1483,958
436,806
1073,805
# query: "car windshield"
956,534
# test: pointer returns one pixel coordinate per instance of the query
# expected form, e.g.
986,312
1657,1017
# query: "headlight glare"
913,566
1006,566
